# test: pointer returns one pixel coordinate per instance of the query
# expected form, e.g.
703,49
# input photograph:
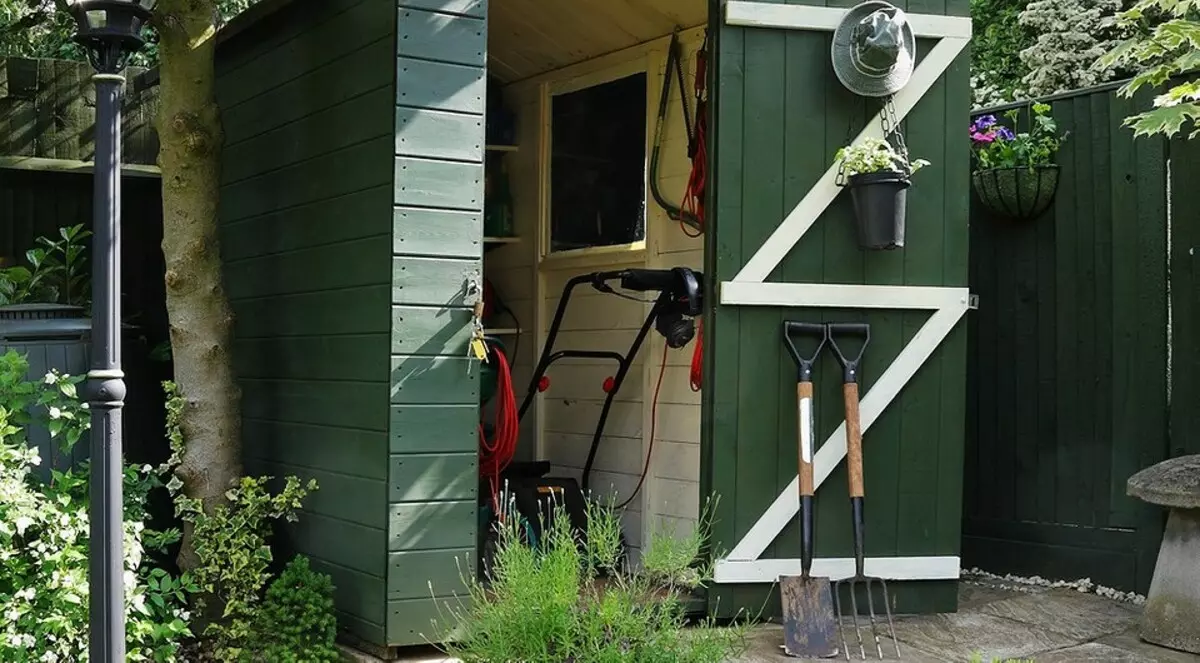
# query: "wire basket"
1020,193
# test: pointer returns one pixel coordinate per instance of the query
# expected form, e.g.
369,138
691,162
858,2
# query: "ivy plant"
1164,48
231,544
875,155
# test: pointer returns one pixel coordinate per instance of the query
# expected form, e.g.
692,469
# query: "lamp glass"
96,18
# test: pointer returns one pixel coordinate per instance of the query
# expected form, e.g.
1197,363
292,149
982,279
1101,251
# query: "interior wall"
511,268
673,498
570,409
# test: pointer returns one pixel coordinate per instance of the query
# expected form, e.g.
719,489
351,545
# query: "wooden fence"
48,110
1071,370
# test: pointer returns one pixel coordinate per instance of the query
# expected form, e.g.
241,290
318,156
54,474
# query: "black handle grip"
648,279
804,364
849,366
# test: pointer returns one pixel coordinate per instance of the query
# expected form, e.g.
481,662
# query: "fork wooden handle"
854,457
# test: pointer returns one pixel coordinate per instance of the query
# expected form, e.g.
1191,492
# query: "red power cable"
698,356
496,454
653,425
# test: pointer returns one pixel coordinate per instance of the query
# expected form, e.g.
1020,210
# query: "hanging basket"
1019,193
880,201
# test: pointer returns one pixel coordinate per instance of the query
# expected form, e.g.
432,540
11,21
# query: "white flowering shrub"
1071,37
44,545
997,40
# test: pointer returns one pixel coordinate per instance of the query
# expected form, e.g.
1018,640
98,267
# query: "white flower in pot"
878,176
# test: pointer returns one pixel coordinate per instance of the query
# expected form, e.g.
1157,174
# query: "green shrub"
544,604
296,623
232,546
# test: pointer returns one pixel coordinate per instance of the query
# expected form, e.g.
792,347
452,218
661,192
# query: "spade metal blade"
809,618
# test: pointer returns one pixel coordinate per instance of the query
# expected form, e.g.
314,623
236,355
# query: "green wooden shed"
385,163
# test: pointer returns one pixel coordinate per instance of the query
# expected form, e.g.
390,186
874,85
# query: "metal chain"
891,126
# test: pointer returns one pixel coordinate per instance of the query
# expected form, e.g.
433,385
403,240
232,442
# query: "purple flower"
1004,133
973,130
985,121
982,138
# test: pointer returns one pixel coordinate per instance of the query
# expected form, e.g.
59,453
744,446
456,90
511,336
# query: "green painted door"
780,115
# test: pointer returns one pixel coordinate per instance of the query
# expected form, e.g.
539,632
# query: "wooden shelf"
501,240
501,148
502,331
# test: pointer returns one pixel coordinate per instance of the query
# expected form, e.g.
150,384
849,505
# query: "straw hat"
874,49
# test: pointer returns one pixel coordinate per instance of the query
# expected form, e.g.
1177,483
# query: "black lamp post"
110,31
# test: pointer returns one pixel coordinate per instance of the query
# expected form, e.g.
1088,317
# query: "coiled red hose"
496,454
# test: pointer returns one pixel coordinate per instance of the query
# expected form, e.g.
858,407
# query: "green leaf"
1168,120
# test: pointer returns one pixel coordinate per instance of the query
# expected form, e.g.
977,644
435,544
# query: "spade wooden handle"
854,458
804,394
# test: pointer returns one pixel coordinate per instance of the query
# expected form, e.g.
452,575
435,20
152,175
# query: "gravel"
1037,583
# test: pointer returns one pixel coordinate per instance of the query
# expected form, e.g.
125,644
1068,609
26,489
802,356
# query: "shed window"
598,165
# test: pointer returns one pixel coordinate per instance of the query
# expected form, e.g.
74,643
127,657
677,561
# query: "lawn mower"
523,489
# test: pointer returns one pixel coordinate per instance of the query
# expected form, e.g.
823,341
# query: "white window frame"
632,252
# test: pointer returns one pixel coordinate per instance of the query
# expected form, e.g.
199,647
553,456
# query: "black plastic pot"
1017,194
880,200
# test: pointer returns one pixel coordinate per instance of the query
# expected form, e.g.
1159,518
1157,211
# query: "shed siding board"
340,81
776,93
412,573
430,133
453,234
1078,298
440,86
437,181
305,232
445,37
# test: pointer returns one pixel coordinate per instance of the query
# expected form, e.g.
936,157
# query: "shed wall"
781,114
305,237
437,232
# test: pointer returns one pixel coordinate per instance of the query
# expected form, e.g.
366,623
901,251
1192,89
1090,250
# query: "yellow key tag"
478,349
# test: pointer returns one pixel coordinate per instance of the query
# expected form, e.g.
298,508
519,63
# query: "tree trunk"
189,128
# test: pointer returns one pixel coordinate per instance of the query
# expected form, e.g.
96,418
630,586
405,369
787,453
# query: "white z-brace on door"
748,288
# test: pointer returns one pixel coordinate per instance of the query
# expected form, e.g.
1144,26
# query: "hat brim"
843,63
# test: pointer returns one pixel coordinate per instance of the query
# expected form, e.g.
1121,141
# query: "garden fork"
854,463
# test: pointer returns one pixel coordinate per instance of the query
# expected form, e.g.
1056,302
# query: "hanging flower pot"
1015,177
1016,193
877,176
880,201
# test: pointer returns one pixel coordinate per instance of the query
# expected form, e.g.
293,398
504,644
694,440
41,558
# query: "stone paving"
1039,624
